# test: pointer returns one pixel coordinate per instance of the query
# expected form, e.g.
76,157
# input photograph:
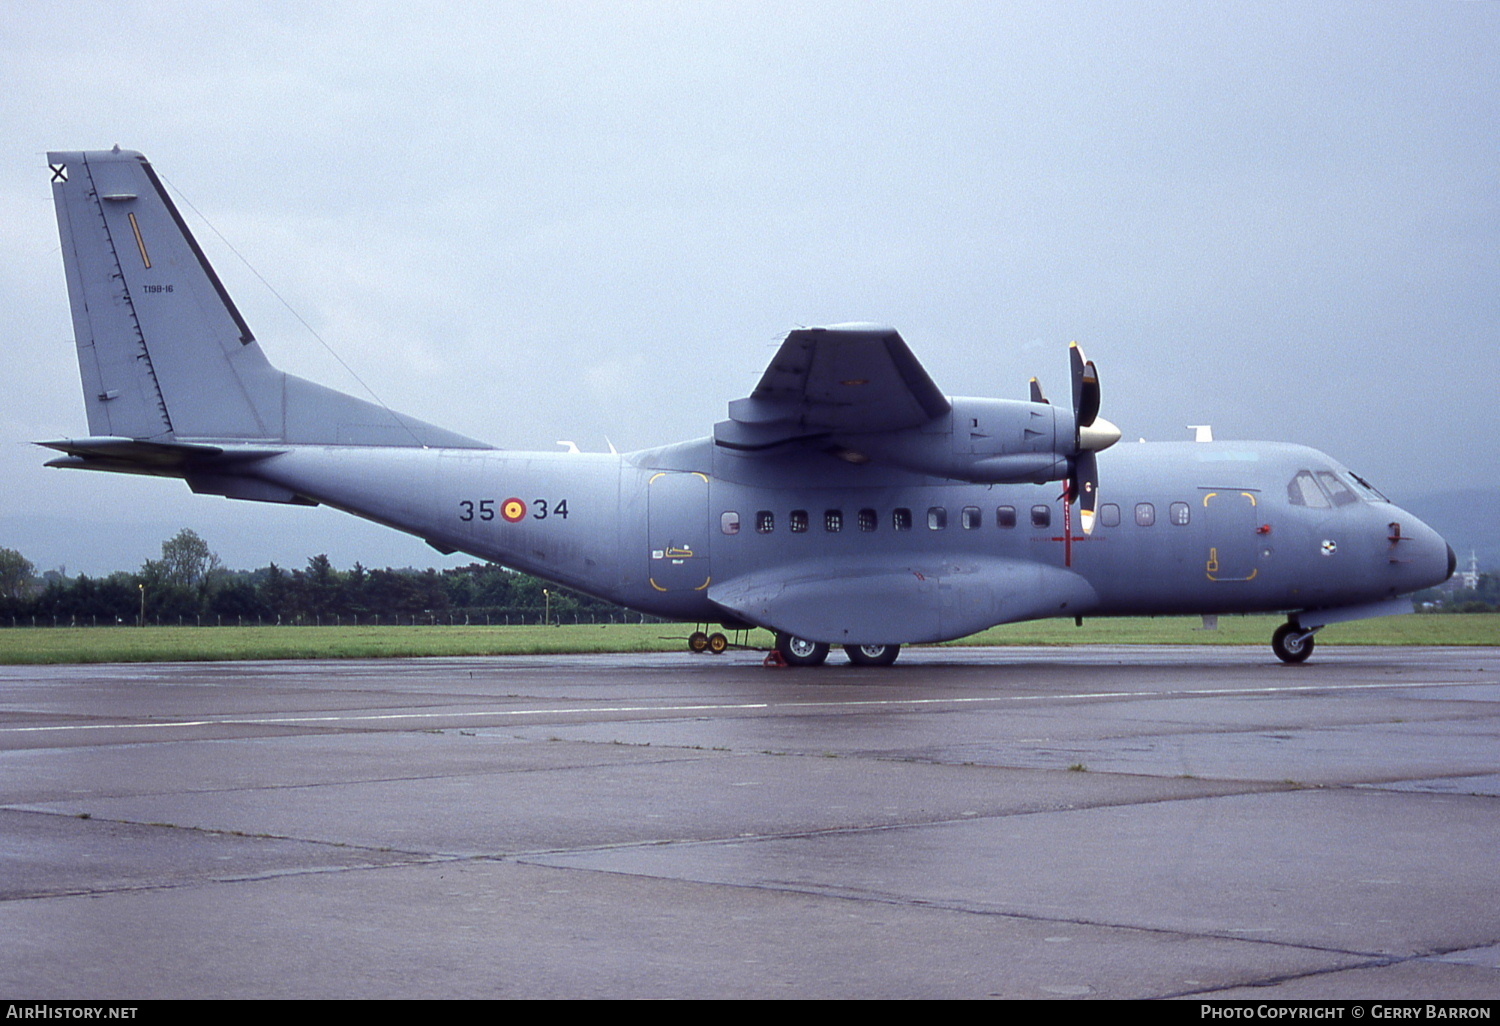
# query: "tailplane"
164,354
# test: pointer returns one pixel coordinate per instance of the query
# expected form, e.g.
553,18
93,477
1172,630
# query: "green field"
173,644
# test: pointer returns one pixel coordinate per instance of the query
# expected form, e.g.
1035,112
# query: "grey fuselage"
1184,528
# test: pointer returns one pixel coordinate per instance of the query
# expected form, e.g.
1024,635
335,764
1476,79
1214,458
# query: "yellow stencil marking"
140,242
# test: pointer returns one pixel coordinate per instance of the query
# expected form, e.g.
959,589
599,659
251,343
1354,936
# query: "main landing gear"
872,655
801,652
1292,643
793,651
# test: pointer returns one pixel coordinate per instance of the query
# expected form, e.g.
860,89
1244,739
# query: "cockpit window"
1340,493
1373,492
1303,490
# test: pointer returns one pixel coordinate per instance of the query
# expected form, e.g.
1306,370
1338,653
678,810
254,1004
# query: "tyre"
800,651
872,655
1292,644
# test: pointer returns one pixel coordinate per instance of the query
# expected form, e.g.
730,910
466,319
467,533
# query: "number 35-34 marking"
511,510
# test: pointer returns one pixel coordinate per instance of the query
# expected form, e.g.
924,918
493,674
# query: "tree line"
1484,597
190,585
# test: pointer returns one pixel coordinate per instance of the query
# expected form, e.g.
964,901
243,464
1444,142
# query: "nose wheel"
1292,643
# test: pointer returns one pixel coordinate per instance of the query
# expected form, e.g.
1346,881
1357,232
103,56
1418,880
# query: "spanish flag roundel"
512,510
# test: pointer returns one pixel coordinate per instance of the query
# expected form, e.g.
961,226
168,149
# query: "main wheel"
718,644
800,651
872,655
1291,643
697,643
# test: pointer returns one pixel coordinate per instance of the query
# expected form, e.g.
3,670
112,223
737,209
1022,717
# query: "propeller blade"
1075,357
1090,434
1089,409
1086,487
1085,387
1036,392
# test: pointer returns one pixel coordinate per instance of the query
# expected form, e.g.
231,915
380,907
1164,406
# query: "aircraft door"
1232,517
677,531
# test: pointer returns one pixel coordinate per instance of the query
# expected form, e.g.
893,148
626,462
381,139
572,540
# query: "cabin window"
1005,516
1340,493
937,518
765,521
1145,514
797,522
1180,514
868,520
1303,490
833,520
1041,516
900,520
1109,515
971,518
729,523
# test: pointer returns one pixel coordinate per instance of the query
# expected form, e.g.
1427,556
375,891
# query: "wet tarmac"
1086,822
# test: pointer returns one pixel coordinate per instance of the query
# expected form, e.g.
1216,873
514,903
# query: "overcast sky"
594,221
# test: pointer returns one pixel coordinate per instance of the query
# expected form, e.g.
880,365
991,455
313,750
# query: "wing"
847,378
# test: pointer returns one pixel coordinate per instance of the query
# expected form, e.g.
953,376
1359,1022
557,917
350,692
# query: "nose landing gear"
1292,643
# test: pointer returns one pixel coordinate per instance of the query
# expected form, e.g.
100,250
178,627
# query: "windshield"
1370,490
1338,491
1325,489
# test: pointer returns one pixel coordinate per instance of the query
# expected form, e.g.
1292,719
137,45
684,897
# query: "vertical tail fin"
163,352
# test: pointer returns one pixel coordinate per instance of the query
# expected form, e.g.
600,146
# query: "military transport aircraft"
846,501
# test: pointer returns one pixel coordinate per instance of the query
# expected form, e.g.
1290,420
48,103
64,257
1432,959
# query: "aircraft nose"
1425,557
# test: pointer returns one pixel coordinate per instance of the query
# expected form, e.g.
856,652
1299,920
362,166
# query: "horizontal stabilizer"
134,456
207,469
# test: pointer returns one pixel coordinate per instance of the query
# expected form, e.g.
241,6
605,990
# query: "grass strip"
38,645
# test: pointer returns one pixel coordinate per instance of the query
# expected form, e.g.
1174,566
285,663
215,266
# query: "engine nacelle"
984,441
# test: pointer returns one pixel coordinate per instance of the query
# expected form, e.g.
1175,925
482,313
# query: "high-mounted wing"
843,379
856,392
